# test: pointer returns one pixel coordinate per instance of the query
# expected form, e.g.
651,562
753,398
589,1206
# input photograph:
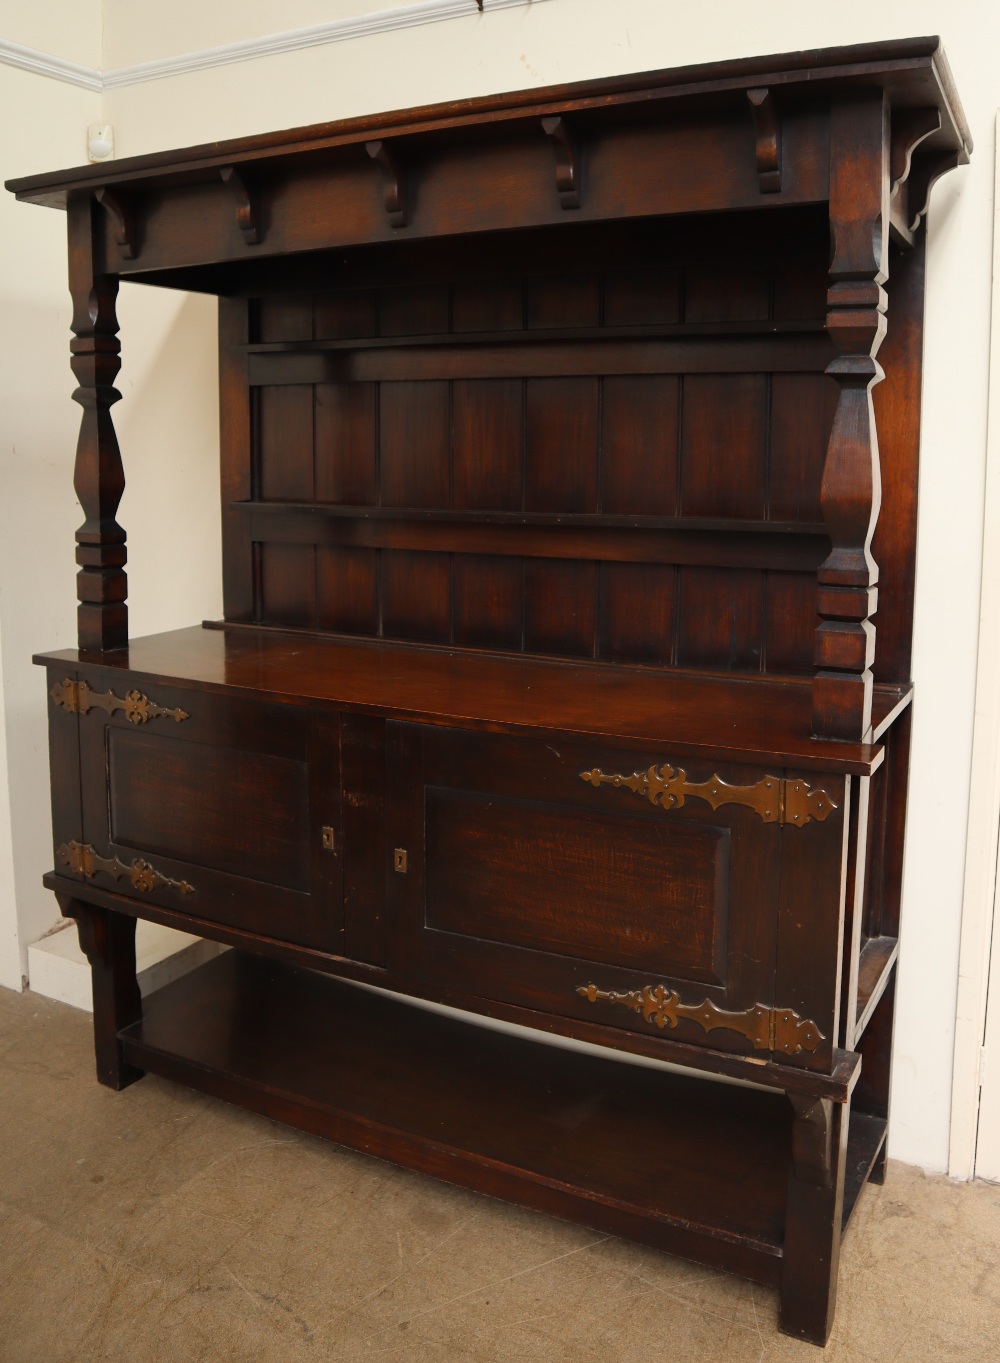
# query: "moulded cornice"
317,35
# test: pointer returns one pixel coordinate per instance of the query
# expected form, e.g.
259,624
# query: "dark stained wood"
488,602
639,446
865,1148
765,716
556,513
851,494
488,457
561,445
876,961
814,1216
560,607
651,1158
236,469
622,539
414,444
837,1085
99,478
107,939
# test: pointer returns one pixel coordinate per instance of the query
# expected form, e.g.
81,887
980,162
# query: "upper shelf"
699,714
669,142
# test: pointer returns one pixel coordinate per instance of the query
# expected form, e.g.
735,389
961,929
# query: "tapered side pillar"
108,942
851,493
99,479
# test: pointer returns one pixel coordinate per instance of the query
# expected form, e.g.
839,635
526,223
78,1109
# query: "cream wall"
558,40
38,510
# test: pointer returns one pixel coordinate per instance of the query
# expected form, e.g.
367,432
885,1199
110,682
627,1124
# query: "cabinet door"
226,810
566,877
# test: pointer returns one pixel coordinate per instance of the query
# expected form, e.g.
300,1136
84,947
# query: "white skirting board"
58,969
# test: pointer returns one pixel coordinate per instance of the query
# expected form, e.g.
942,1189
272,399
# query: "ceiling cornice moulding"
294,40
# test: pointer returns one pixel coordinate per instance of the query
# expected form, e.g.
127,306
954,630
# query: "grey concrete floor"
156,1224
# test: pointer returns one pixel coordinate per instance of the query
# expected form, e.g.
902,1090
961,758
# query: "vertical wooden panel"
346,421
414,310
897,413
721,618
802,408
791,622
642,297
559,607
726,294
416,596
723,445
236,462
487,419
561,439
415,438
288,585
488,305
285,443
555,302
488,601
346,590
285,318
363,777
800,285
636,613
353,312
639,445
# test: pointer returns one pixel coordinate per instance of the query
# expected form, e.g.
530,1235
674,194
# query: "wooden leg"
108,941
811,1255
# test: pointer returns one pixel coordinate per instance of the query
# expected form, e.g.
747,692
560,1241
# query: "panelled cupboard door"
223,809
623,887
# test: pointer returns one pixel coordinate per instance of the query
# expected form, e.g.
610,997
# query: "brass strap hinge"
84,860
767,1029
77,697
776,799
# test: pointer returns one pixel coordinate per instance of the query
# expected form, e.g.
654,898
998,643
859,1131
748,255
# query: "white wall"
563,40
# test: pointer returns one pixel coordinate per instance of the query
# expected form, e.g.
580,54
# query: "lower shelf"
681,1163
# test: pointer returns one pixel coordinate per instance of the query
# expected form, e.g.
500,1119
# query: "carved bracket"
775,798
767,1029
567,149
767,131
922,180
394,179
246,209
78,699
812,1139
120,212
84,860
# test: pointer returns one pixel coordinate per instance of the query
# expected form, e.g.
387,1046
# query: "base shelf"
680,1163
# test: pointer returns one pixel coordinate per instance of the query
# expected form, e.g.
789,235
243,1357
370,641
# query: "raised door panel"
568,878
225,810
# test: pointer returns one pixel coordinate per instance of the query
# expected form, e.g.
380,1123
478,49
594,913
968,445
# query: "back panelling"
524,451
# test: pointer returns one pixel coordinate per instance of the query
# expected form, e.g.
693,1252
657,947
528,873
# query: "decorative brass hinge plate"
775,798
767,1029
78,698
84,860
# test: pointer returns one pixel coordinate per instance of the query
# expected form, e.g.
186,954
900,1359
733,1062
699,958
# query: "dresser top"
733,717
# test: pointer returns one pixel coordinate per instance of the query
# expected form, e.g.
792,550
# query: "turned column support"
108,941
99,479
852,491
